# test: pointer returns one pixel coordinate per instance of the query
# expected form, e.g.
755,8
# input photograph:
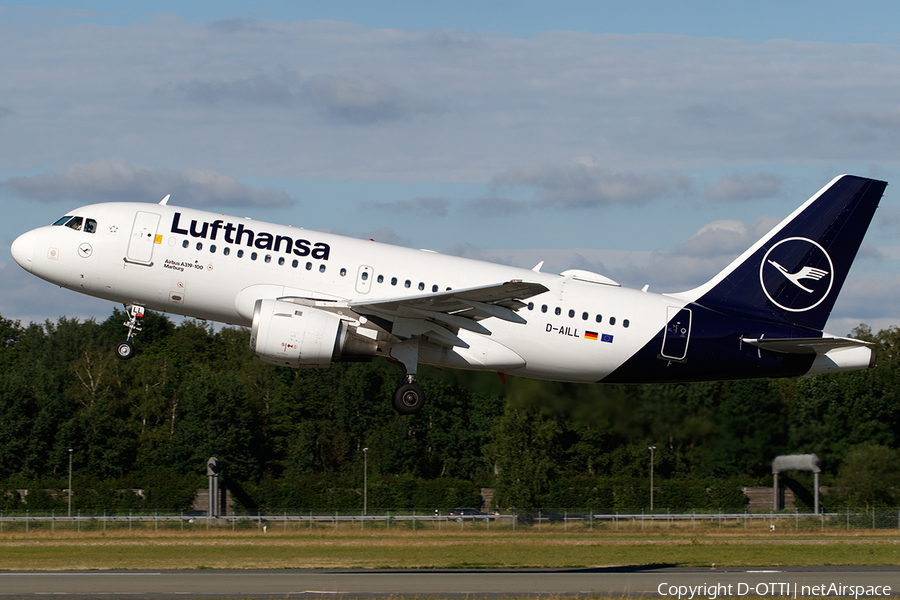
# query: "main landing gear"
409,398
125,350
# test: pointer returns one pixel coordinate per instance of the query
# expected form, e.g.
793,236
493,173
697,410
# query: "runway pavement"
442,583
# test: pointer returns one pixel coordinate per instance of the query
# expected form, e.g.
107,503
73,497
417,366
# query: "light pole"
365,480
70,482
651,448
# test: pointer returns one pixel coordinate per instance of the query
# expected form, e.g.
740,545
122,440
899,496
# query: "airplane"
312,298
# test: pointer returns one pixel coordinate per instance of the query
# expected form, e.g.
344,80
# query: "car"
461,514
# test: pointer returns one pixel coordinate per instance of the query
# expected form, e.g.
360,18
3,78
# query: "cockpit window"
90,225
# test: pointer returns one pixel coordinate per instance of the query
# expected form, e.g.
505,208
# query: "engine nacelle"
293,335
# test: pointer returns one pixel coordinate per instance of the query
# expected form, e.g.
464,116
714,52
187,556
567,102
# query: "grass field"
170,548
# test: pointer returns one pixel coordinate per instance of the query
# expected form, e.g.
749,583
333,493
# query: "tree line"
293,439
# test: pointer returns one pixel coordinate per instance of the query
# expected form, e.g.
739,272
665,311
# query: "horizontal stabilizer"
805,345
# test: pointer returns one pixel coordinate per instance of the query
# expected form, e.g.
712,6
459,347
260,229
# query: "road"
442,583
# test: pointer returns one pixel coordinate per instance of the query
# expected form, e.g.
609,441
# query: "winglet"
537,267
165,200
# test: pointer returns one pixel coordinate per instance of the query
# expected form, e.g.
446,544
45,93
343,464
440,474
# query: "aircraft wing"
440,315
805,345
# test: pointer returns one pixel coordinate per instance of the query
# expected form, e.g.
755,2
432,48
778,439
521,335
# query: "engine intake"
293,335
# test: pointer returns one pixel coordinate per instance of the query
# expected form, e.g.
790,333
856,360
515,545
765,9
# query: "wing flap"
439,316
507,295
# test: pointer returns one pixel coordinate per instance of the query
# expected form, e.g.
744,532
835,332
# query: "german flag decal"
590,335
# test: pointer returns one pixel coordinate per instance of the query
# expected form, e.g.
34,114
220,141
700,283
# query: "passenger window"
571,313
322,268
309,266
75,223
544,308
625,323
90,226
393,281
380,279
212,249
253,256
584,316
343,272
599,319
240,254
280,261
268,258
364,276
558,311
408,283
200,246
612,320
226,250
295,263
185,244
421,287
434,288
531,306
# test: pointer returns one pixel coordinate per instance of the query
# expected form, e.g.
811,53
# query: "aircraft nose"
23,250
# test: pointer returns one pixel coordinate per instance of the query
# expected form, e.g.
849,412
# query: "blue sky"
648,141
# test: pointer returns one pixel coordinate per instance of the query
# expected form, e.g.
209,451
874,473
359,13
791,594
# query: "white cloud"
724,238
357,101
585,184
431,207
740,187
111,180
251,94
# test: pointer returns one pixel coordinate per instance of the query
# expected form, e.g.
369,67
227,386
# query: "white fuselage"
211,266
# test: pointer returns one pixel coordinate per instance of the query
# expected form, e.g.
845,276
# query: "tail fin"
794,273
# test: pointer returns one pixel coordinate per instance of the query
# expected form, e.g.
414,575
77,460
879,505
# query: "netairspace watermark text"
771,589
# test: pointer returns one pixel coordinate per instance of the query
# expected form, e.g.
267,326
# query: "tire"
125,350
409,399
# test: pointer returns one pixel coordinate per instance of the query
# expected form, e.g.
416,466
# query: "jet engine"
294,335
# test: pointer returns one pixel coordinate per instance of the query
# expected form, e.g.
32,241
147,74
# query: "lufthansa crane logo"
796,274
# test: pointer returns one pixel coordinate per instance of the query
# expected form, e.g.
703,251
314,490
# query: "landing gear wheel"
409,398
125,350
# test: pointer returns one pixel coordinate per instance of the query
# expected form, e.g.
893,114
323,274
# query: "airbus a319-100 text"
312,298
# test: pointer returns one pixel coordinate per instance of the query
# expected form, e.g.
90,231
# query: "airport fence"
425,520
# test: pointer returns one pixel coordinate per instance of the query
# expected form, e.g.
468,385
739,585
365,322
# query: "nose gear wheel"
125,350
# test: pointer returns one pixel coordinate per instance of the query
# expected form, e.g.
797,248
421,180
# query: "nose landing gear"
125,350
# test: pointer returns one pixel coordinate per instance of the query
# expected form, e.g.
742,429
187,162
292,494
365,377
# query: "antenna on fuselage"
165,200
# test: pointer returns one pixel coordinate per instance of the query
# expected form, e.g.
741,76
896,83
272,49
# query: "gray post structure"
365,480
798,462
775,503
70,482
212,470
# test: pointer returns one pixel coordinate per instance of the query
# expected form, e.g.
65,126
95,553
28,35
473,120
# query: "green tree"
869,475
521,449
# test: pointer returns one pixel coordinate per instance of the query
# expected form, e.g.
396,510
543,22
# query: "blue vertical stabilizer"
793,274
